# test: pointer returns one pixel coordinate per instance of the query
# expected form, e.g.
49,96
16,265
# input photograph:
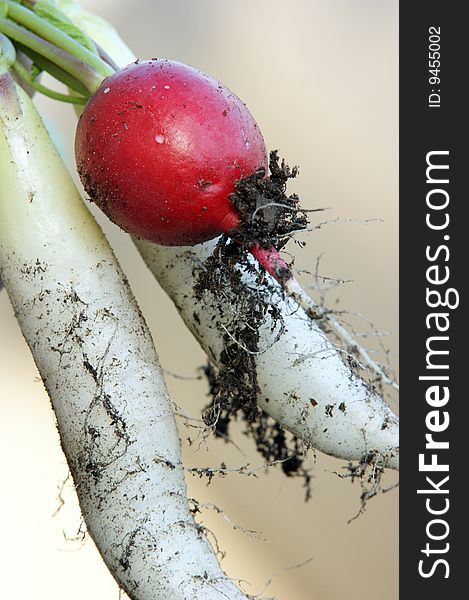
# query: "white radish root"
97,360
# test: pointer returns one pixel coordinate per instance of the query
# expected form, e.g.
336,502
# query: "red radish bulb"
159,148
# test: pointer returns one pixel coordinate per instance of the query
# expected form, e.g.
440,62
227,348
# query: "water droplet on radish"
159,138
107,90
167,87
247,144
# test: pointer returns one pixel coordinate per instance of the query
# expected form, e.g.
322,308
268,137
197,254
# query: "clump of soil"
273,443
269,217
233,385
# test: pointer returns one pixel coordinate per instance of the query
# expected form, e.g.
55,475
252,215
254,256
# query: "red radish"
159,148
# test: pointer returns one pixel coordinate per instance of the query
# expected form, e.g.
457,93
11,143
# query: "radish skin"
97,360
305,384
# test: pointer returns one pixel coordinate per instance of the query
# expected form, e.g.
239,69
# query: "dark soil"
233,382
268,215
274,444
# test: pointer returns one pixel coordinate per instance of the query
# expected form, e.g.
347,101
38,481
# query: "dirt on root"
269,217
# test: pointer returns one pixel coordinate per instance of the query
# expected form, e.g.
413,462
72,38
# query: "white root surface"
304,382
300,367
98,363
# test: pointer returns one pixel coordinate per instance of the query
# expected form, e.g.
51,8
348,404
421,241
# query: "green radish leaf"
47,10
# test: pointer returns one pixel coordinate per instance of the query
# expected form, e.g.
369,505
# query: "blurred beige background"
320,76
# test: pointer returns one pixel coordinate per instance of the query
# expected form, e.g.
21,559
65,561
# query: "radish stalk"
28,78
304,383
96,357
40,38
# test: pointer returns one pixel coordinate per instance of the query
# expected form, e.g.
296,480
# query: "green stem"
47,31
80,71
55,71
24,74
